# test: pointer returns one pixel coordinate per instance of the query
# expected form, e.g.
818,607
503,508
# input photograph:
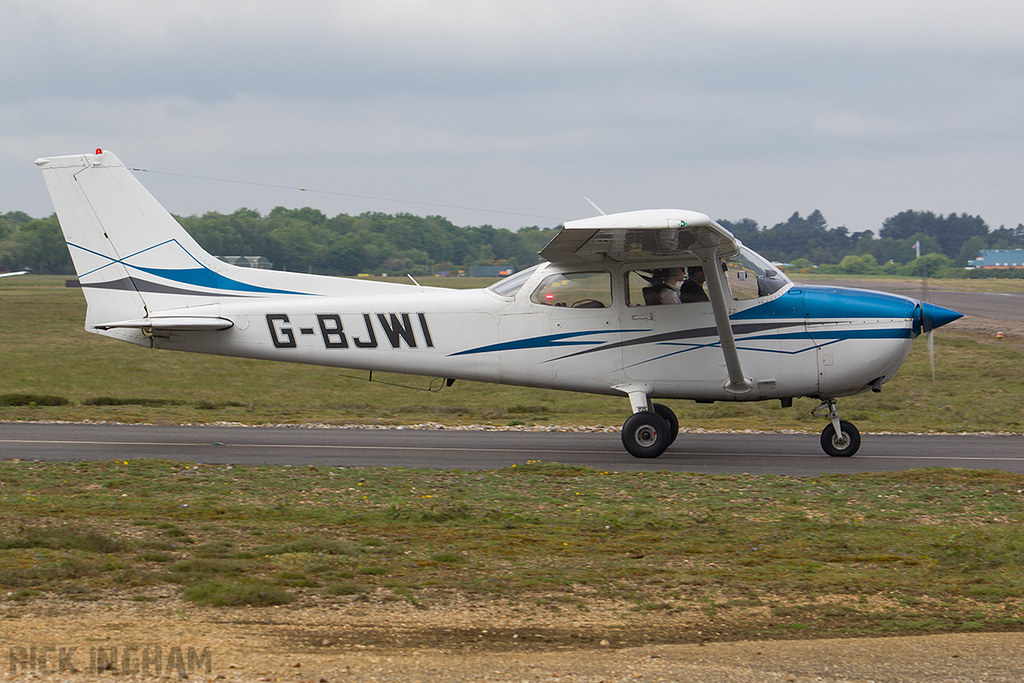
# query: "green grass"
929,550
220,593
47,357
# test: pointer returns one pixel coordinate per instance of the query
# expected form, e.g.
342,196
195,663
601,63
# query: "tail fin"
132,257
88,193
138,267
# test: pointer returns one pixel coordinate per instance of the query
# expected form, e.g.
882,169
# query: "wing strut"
737,384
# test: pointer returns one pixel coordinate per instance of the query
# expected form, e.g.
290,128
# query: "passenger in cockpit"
692,289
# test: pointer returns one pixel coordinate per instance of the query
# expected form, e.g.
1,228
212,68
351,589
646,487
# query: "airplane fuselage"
800,341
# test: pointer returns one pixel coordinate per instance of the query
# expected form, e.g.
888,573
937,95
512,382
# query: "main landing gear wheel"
841,445
670,417
646,434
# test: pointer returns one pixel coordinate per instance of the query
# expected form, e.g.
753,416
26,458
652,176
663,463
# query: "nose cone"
933,316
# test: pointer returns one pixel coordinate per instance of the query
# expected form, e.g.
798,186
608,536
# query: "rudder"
121,240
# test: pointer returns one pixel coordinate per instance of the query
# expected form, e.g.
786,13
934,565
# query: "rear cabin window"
575,290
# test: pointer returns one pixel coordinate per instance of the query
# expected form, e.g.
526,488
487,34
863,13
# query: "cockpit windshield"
750,276
511,285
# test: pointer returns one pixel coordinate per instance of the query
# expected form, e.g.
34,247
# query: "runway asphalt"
716,453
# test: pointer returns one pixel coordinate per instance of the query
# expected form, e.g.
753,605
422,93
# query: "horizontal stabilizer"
172,324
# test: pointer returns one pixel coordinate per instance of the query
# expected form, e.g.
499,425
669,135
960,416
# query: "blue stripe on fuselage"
544,341
809,305
818,303
205,277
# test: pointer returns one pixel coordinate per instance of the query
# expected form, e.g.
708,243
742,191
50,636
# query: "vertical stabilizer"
132,257
135,261
84,218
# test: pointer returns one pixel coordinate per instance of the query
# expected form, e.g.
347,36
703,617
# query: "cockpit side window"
575,290
742,281
657,286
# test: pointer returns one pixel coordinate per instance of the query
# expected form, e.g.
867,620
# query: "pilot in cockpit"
664,287
673,286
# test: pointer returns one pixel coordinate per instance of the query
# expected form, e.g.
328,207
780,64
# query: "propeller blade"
931,353
926,318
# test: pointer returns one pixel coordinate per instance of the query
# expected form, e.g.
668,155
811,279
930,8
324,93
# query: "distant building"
248,261
491,271
998,258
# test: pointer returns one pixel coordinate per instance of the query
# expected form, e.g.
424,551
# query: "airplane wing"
639,236
20,272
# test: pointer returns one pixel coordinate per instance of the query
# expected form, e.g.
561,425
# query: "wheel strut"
839,438
833,415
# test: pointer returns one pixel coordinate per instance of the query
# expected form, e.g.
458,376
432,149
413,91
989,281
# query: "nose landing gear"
839,438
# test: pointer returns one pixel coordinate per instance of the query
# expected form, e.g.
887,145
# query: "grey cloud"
525,109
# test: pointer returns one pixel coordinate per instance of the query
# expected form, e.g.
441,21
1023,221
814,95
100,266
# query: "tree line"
306,240
946,243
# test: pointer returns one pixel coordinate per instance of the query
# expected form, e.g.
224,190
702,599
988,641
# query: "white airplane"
589,319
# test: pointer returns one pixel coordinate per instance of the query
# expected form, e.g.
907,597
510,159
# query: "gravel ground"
987,328
45,638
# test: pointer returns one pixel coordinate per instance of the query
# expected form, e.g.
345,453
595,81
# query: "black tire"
670,417
834,445
645,434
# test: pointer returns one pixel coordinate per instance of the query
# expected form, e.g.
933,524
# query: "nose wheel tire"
646,434
841,445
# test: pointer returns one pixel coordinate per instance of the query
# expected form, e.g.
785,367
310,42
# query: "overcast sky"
734,108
